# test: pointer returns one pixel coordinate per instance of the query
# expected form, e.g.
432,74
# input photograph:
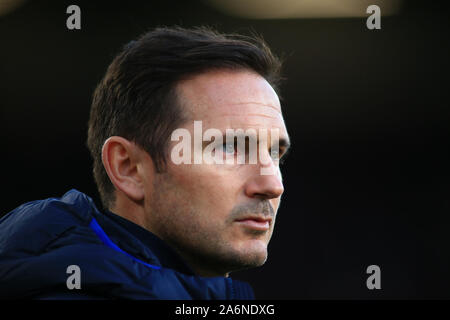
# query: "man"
169,229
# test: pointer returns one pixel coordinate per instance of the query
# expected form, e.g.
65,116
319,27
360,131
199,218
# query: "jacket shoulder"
32,226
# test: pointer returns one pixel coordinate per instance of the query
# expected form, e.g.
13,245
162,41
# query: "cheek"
207,185
275,203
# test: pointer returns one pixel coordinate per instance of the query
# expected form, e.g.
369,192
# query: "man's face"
220,217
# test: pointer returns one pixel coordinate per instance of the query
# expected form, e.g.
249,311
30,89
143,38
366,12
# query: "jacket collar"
163,253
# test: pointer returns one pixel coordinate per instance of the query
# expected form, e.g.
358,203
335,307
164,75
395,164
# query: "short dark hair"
136,99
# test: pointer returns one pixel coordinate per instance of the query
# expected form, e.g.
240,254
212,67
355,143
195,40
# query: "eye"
283,157
275,154
228,148
278,155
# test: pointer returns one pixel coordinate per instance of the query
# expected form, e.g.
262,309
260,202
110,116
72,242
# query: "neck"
199,266
129,210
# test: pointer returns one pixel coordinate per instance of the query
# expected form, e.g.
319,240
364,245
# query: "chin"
253,254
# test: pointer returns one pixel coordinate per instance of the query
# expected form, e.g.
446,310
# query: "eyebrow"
283,143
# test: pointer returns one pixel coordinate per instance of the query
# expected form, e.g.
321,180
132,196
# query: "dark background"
367,181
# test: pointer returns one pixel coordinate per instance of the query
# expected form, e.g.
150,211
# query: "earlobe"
121,164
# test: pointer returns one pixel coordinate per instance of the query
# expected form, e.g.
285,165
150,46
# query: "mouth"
255,222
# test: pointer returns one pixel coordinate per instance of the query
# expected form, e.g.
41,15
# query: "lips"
255,222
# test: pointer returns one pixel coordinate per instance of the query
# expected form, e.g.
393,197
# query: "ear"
120,158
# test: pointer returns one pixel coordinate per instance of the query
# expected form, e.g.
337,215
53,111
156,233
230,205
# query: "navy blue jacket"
118,259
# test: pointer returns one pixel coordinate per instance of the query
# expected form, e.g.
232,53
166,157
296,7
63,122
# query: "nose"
264,186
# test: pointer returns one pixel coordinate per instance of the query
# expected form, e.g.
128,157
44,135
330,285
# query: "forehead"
231,99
